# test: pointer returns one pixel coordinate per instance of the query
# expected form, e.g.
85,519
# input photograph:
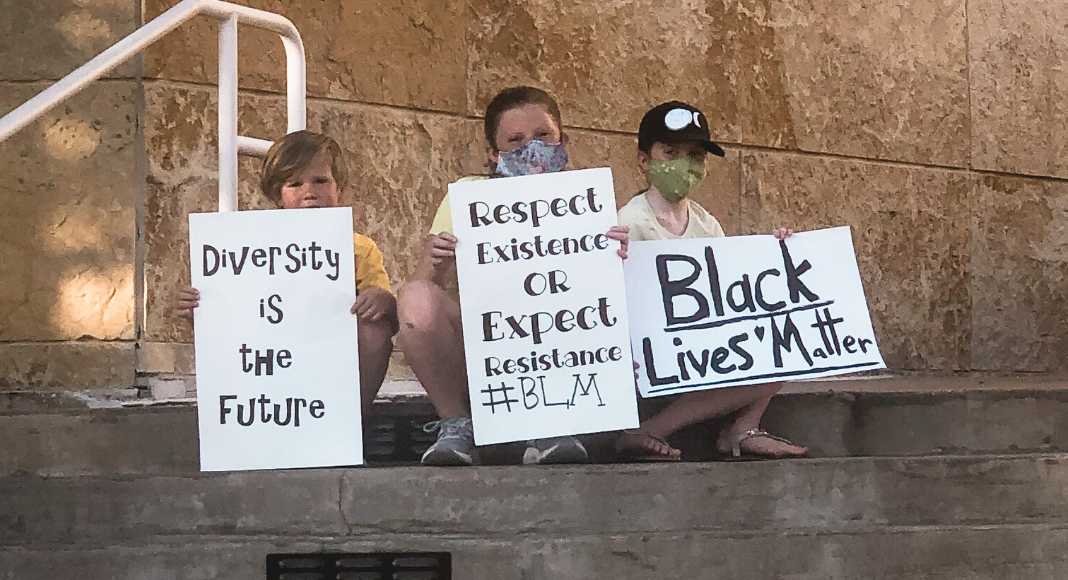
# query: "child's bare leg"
376,345
749,415
432,340
697,406
748,419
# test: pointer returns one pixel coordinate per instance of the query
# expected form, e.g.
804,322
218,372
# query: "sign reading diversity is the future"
276,348
722,312
543,306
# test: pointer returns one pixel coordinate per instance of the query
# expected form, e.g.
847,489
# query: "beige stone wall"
936,128
69,185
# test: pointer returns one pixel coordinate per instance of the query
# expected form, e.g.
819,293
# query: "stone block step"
894,417
839,495
1024,552
902,518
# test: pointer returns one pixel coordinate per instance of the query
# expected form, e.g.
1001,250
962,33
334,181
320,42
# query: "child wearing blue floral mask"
524,136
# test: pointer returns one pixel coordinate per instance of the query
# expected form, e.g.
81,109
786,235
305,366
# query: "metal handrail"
229,15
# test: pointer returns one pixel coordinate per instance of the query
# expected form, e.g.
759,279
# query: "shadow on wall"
67,220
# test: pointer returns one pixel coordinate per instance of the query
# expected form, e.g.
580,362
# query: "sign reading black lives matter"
722,312
543,306
278,379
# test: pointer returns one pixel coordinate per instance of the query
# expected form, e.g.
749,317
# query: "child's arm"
184,303
439,254
374,304
374,300
439,248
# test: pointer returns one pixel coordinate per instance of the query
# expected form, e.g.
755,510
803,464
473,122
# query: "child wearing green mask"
673,142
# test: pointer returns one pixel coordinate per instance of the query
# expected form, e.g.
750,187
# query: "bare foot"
759,443
639,446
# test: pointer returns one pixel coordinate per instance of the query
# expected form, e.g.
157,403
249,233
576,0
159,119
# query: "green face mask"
675,180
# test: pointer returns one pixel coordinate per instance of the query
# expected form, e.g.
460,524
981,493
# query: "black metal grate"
396,434
369,566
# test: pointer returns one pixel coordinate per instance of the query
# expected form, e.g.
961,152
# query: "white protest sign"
722,312
278,374
543,306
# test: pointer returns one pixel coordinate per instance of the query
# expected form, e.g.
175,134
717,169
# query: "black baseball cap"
675,122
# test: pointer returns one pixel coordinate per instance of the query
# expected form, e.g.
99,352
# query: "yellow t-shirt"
370,267
639,217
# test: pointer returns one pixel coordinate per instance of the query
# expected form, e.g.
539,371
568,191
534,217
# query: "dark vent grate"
396,434
370,566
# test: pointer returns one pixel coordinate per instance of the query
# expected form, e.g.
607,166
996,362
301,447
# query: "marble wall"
934,127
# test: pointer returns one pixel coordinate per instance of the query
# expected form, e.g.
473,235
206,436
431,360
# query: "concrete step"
1028,552
813,495
893,417
893,518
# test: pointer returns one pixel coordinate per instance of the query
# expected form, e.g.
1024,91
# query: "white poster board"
543,306
278,374
721,312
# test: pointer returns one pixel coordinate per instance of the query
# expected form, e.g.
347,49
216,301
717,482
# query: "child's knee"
418,303
375,336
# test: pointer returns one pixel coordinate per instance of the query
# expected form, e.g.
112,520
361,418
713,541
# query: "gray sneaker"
554,450
455,444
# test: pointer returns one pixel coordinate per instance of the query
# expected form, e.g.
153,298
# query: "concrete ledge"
1035,552
928,382
146,440
922,423
816,495
158,440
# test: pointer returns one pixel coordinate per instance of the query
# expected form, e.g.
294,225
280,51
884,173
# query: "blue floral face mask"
532,158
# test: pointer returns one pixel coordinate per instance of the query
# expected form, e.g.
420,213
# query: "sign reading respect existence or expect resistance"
543,306
722,312
278,380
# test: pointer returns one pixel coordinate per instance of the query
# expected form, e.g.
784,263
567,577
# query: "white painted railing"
229,16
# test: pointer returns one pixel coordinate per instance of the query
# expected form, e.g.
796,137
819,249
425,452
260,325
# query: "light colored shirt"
443,223
443,218
638,215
